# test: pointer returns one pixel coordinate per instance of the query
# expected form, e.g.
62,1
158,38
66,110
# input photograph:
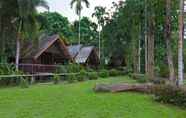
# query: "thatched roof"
33,50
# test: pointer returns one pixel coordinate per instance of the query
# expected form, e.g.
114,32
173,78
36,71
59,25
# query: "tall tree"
167,36
146,49
78,9
100,13
25,22
54,23
88,32
180,43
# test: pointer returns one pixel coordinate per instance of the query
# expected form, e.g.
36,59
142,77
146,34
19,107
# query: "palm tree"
180,43
78,9
25,21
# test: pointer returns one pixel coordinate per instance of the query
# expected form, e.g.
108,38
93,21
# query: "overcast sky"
63,7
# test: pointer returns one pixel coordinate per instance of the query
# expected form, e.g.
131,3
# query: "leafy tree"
88,31
78,9
22,16
140,25
54,23
100,14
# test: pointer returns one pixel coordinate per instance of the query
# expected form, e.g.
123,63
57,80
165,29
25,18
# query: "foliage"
93,75
141,78
114,72
54,23
103,73
62,69
24,83
170,94
88,31
82,75
74,68
56,79
127,28
71,78
164,71
18,21
7,69
79,5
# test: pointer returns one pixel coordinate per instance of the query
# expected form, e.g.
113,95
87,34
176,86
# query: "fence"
38,68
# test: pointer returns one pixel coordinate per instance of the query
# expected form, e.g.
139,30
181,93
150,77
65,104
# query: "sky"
63,7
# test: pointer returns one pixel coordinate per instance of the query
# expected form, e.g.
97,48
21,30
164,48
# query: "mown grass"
79,101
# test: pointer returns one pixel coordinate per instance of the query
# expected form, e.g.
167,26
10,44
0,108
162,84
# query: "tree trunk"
146,47
167,35
100,42
139,51
150,53
143,88
79,41
180,43
17,51
135,52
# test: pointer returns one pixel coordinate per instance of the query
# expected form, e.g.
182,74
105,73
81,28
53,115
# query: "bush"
9,70
170,94
164,71
140,78
24,83
71,78
93,76
82,75
56,79
114,72
74,68
62,69
104,73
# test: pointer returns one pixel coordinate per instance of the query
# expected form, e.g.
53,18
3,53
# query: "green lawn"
79,101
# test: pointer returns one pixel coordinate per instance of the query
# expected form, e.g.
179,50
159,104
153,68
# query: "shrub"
104,73
170,94
93,75
9,70
82,75
140,78
164,71
62,69
71,78
73,68
24,83
56,79
114,72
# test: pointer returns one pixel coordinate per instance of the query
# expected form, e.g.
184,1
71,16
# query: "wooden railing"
38,68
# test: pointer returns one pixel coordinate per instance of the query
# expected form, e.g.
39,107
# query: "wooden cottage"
84,55
43,56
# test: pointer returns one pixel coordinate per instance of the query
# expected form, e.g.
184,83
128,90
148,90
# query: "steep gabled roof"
84,54
35,50
74,50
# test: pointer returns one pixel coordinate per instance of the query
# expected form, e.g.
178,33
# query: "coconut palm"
180,43
78,9
25,21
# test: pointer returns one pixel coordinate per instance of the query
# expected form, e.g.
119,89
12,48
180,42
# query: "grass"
79,101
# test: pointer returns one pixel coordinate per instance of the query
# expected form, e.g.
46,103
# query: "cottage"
85,55
42,56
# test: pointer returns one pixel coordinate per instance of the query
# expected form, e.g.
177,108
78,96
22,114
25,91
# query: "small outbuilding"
85,55
42,56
